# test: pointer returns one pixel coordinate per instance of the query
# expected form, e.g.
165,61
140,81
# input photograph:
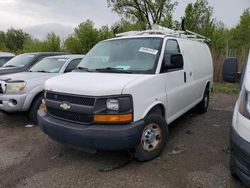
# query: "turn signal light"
124,118
44,106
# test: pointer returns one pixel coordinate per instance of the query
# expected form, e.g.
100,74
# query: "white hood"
93,84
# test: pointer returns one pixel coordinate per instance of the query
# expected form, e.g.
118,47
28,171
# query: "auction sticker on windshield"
62,60
148,50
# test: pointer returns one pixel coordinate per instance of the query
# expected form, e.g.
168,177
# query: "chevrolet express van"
240,129
127,90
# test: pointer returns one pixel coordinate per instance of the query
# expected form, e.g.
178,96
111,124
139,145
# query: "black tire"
34,108
159,122
202,107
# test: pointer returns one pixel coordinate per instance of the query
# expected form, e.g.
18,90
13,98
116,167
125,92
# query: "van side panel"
200,67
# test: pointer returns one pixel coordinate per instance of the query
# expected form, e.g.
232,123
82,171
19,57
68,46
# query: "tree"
15,39
85,37
105,33
87,34
52,43
73,45
144,12
124,26
198,18
2,40
239,36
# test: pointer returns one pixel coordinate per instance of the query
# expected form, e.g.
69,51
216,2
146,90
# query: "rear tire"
153,139
34,108
203,105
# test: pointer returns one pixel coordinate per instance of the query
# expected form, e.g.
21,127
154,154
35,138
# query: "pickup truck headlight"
15,87
245,103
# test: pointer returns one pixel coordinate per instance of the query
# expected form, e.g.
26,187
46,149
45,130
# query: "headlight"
112,104
15,87
245,104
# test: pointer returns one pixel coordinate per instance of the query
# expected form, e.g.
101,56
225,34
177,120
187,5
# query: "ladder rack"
156,29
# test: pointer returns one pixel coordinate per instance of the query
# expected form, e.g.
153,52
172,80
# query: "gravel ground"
196,156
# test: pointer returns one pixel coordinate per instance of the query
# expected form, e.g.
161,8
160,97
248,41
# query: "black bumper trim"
99,137
240,149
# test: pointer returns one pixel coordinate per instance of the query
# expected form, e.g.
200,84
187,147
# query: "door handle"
185,77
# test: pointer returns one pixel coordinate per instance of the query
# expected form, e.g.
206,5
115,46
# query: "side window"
72,65
172,48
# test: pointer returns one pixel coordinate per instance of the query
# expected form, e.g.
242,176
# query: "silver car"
21,92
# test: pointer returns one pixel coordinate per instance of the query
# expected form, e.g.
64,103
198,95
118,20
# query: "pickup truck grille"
87,101
71,116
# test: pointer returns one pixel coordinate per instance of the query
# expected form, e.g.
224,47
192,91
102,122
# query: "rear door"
175,81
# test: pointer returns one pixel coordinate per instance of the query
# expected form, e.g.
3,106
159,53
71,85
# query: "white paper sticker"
123,67
30,55
62,60
148,50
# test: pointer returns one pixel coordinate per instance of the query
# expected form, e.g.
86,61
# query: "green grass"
226,88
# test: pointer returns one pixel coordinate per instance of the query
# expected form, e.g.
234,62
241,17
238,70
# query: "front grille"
87,101
71,116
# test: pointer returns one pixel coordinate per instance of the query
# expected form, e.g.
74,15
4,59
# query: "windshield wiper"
116,70
84,69
42,71
10,66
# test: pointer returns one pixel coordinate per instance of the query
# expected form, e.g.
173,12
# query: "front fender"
147,92
31,95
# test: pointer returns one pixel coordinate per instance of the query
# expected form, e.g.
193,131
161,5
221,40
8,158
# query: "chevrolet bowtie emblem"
65,106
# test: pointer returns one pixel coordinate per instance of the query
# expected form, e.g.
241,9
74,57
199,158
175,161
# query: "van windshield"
134,55
20,60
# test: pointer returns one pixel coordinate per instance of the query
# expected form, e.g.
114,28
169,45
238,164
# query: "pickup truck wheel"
34,108
153,139
203,105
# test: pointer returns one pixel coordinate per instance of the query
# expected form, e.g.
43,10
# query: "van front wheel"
153,139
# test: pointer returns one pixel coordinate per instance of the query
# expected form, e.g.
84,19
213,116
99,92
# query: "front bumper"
240,151
8,106
97,137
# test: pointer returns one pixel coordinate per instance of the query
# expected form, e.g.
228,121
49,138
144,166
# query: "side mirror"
176,61
230,70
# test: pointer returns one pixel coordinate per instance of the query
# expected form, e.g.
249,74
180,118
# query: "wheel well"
208,85
159,109
37,95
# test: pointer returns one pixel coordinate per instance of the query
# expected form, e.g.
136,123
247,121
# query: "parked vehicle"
25,61
240,129
24,91
126,92
4,57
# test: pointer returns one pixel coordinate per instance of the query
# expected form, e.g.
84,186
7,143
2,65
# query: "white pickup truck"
126,92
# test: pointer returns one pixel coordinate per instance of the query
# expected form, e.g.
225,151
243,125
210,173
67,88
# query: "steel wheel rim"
151,137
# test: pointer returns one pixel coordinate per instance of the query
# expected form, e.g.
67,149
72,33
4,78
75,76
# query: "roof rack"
156,29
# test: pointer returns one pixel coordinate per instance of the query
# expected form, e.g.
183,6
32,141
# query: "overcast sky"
26,13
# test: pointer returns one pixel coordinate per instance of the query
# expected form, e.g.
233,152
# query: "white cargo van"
127,91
